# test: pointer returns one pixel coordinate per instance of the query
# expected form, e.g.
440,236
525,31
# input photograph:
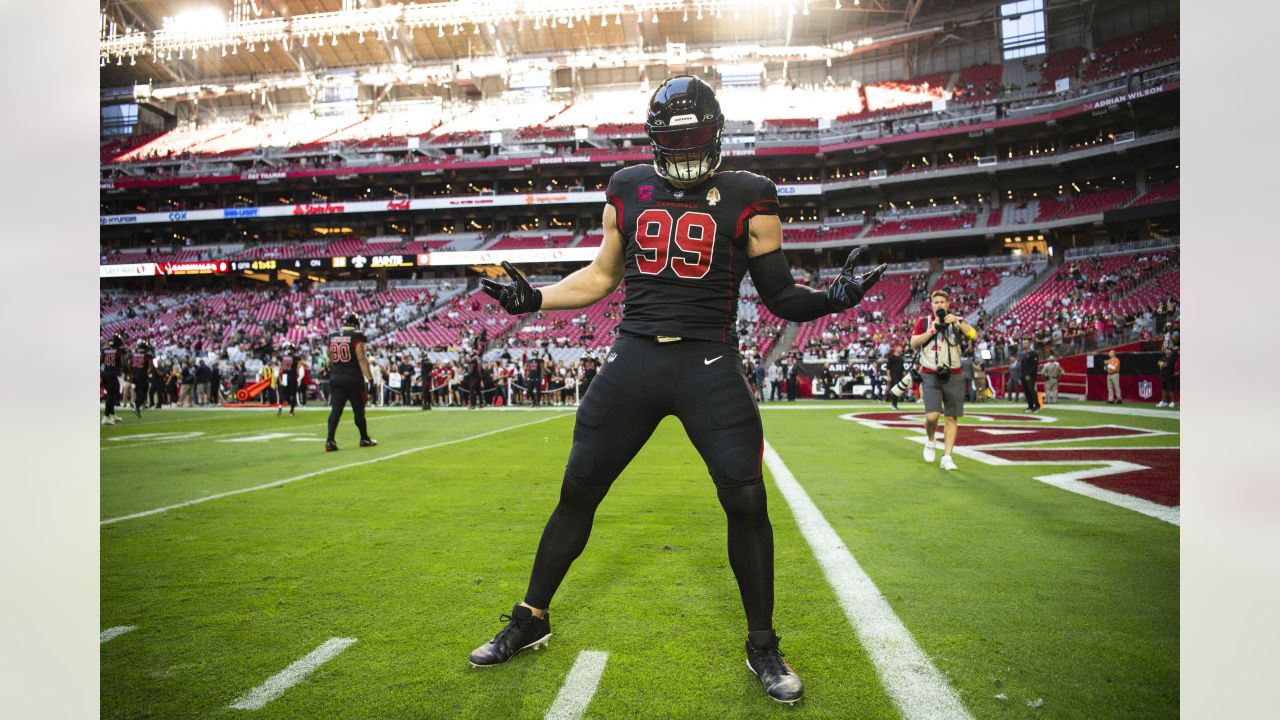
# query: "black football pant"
139,392
703,384
342,391
1029,389
112,386
290,395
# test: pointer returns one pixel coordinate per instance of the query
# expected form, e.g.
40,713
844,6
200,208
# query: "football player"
682,235
290,374
349,375
110,364
140,361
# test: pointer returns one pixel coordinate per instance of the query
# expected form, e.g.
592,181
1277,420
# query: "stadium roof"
169,42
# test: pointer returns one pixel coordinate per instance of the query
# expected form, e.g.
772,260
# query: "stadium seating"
591,327
1159,193
882,316
1085,204
922,225
1092,292
1061,64
542,240
979,82
1133,51
460,318
921,90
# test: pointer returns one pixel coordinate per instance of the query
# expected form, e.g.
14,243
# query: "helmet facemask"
686,156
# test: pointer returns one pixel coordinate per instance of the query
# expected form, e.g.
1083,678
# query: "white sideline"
579,687
324,471
916,687
292,675
115,632
200,437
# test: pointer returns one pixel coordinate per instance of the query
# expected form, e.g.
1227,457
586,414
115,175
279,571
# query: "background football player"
290,374
349,375
140,361
110,363
682,235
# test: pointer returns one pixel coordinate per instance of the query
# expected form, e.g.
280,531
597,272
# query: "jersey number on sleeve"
695,234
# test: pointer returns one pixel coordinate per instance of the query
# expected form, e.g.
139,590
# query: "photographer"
937,337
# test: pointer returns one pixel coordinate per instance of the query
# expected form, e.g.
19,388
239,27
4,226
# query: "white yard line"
916,687
115,632
1135,411
579,687
292,675
120,443
325,471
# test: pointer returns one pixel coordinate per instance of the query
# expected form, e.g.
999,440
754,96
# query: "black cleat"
765,660
330,446
523,631
368,442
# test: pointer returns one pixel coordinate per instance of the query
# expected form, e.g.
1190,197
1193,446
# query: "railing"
993,261
923,212
1155,244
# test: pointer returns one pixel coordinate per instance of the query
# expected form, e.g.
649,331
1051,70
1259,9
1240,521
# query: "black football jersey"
139,363
686,250
342,354
111,361
289,368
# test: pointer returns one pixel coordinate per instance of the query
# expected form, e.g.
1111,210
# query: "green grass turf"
1011,586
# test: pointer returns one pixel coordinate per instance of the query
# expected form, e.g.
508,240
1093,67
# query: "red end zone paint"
1157,481
1149,477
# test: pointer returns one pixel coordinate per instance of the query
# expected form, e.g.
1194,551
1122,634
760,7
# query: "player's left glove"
518,297
848,289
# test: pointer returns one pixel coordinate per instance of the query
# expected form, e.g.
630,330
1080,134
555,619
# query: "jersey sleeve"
615,193
761,199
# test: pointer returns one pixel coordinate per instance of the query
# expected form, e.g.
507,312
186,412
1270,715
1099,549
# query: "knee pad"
580,494
744,501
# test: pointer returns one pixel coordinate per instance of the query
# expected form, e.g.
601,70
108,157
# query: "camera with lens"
904,385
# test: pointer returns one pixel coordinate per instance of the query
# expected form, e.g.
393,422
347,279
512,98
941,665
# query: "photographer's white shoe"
929,455
1161,404
948,463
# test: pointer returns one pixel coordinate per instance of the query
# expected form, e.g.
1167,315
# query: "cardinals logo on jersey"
713,196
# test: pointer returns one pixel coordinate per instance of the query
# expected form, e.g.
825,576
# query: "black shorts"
700,382
1169,383
343,390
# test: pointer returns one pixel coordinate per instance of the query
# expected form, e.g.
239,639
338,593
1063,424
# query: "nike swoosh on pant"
708,362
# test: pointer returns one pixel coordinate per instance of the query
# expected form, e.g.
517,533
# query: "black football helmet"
351,320
117,341
684,125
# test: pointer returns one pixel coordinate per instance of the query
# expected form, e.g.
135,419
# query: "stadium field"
246,572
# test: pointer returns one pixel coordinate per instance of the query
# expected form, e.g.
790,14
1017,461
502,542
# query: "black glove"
848,289
518,297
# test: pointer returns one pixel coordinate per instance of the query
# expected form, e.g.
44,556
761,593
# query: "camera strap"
936,335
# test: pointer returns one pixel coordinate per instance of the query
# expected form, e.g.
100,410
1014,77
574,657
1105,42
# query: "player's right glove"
518,297
848,289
